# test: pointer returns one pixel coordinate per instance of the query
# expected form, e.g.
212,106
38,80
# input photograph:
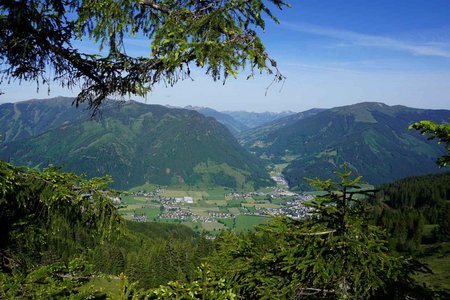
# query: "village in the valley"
214,210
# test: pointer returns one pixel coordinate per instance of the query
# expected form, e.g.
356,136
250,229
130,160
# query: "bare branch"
154,6
318,233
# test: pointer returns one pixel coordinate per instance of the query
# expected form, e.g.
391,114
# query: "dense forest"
405,207
62,238
59,230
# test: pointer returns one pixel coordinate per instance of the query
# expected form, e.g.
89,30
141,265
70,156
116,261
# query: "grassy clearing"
261,205
214,209
279,201
109,285
288,158
212,226
128,199
235,202
180,193
227,222
147,187
190,224
151,212
428,229
216,194
200,211
217,202
234,210
249,200
265,190
439,263
130,207
141,199
223,209
246,223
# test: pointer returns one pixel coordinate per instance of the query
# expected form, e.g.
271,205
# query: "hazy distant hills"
232,124
135,143
254,119
372,137
239,122
258,133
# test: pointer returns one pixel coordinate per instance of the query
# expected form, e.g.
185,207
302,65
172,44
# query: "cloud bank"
360,39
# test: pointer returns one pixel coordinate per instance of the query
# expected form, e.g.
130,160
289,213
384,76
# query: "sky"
333,53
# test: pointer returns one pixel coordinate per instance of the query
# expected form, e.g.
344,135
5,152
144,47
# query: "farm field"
211,211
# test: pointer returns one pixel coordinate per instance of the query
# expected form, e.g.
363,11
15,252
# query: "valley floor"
212,210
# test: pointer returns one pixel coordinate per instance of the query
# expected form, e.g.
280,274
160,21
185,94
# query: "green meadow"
237,214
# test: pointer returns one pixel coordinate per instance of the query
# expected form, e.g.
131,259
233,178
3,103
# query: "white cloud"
423,49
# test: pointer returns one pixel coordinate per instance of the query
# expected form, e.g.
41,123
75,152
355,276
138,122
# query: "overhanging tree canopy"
441,132
37,42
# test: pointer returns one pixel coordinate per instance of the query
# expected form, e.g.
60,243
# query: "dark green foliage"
50,220
154,230
225,180
38,36
405,206
441,132
53,281
159,261
205,286
405,228
152,254
416,192
372,137
333,254
414,212
135,143
58,230
26,119
443,230
48,216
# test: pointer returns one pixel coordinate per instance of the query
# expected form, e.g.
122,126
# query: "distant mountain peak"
371,136
362,112
132,141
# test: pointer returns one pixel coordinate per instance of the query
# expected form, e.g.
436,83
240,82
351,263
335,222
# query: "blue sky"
333,53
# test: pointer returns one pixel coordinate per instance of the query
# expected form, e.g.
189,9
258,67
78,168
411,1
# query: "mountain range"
133,142
138,143
373,138
255,119
239,122
234,126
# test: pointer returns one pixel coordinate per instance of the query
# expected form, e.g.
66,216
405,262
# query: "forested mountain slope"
372,137
25,119
137,143
404,207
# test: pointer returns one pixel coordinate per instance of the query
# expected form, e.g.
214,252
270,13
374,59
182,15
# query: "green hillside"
372,137
415,213
138,143
30,118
